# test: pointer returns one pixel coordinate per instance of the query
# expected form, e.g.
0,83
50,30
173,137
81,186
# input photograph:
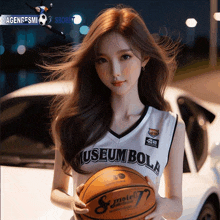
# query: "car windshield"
25,126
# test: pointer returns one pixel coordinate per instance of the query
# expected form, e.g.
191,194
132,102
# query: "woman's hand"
157,214
78,206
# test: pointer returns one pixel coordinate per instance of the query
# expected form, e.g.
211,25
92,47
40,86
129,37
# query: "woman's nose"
116,69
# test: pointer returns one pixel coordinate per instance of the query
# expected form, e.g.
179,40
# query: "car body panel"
25,195
193,200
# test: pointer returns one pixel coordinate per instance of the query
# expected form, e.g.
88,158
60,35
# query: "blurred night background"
165,17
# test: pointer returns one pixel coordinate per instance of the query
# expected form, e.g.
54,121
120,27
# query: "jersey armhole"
174,130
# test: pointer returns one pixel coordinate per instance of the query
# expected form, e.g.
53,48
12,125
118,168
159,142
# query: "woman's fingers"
79,207
80,210
80,188
153,216
80,204
156,218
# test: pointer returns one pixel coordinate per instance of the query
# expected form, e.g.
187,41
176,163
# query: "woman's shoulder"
163,112
169,114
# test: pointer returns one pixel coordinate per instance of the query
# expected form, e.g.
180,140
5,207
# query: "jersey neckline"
132,127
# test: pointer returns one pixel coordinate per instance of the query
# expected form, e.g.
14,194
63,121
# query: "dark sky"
158,15
164,16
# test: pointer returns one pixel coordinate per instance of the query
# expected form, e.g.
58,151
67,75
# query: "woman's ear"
145,61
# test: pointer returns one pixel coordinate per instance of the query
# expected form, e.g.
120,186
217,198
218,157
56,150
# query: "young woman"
116,114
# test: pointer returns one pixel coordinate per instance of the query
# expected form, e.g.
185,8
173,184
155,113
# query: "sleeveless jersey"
144,147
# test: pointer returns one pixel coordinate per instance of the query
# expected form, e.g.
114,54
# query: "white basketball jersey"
144,147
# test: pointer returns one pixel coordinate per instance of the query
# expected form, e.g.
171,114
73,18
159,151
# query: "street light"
191,23
77,19
21,49
84,30
217,16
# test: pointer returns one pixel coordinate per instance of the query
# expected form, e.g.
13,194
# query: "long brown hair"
84,116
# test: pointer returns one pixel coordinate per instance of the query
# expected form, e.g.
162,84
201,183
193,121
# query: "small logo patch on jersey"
151,142
153,132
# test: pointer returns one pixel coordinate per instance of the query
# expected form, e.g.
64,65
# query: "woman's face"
116,65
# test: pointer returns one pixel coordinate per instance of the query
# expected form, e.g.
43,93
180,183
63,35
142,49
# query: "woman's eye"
100,60
126,57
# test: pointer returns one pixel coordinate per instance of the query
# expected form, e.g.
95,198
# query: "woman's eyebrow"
119,51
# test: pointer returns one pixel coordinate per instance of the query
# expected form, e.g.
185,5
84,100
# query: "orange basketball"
117,193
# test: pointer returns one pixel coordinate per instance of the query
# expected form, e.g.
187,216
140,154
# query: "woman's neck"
126,106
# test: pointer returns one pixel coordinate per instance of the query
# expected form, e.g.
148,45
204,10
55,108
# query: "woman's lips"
118,83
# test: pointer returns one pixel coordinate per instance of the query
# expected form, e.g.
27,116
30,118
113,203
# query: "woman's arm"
173,173
170,207
59,196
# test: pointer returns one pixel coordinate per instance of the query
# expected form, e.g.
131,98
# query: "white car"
27,155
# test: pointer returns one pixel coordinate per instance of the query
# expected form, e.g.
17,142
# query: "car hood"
19,199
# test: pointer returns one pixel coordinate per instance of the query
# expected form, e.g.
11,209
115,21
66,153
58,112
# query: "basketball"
117,193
